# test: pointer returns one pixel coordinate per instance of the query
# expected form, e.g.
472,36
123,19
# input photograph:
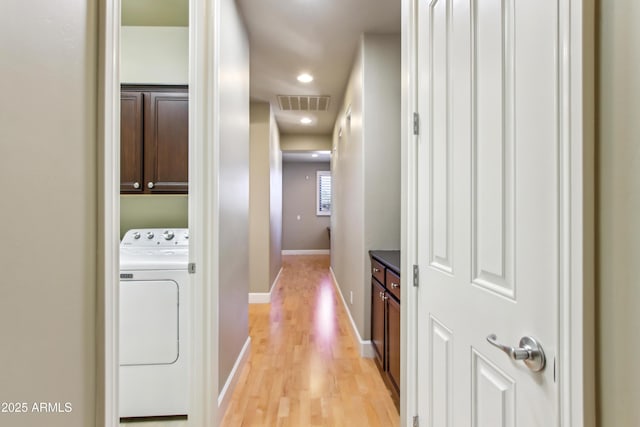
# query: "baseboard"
366,347
227,391
306,252
264,297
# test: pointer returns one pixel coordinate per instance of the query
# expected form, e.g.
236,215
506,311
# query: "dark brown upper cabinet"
154,140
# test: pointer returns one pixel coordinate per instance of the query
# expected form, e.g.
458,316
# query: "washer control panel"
156,237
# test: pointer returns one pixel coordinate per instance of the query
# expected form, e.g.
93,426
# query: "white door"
490,180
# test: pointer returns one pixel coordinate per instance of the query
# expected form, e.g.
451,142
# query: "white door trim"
109,217
203,211
408,218
577,385
203,208
577,315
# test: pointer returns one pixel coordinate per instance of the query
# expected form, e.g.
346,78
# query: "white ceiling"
289,37
319,37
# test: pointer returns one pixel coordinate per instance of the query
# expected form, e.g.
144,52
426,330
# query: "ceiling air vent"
303,103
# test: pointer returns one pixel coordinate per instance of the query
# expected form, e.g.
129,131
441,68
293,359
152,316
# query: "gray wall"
265,214
366,171
234,188
298,198
48,182
618,215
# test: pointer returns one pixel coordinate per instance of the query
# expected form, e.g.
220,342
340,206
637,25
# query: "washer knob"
168,235
136,235
149,235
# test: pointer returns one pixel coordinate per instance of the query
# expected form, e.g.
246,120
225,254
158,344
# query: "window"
323,193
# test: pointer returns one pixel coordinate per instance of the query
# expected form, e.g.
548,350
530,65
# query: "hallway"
304,368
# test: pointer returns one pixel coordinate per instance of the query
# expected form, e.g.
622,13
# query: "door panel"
492,400
440,134
488,211
441,370
492,144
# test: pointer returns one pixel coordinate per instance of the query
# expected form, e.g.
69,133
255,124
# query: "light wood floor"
304,368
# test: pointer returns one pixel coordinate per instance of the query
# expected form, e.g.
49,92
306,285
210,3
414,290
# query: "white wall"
305,142
382,144
265,216
48,182
154,55
275,202
366,170
259,198
233,131
618,214
347,208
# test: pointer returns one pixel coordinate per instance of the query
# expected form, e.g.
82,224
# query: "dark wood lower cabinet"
385,317
393,342
378,320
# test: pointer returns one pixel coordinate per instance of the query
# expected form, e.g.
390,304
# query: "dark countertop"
389,258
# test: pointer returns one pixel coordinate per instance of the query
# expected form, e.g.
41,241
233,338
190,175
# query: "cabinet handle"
150,184
136,185
376,270
395,285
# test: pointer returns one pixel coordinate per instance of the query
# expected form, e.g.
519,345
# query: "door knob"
136,185
530,351
150,185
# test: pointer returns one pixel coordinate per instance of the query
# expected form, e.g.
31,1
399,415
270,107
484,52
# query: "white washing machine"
154,323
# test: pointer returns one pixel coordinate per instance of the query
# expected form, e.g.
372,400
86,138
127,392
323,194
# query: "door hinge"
416,124
192,268
416,421
416,277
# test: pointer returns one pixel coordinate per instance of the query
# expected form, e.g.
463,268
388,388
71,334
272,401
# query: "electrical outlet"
351,297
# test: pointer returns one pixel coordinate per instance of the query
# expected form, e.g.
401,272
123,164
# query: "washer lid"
154,258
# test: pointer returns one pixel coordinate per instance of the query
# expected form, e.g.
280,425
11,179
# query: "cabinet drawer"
377,270
393,283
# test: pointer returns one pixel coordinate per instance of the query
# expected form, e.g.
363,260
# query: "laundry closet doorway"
202,218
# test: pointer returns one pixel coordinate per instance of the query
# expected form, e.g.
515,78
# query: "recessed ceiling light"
314,155
305,78
305,121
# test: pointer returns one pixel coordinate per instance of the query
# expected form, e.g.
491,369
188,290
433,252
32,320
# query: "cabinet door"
377,320
167,142
131,140
393,342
